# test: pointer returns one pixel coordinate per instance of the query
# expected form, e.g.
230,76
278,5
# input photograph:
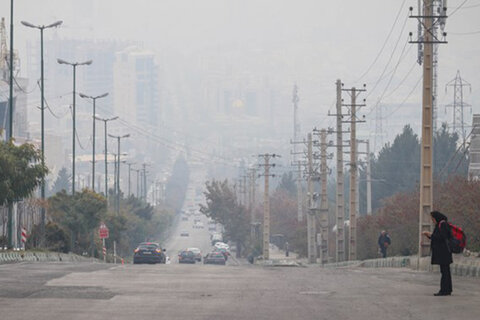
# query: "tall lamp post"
105,121
118,166
94,99
42,112
129,164
74,65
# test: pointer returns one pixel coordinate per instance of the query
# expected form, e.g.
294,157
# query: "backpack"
457,240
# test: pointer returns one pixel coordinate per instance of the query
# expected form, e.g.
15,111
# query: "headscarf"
438,216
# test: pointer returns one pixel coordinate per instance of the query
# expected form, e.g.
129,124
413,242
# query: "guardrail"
23,256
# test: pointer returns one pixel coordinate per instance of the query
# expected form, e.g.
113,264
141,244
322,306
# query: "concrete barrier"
460,266
22,256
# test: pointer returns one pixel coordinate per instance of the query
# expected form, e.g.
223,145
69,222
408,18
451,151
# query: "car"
215,258
184,233
222,251
197,252
149,252
184,218
222,245
186,256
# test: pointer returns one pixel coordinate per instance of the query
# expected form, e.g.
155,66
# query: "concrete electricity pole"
266,202
129,164
368,175
340,206
429,21
353,168
323,196
311,226
296,135
252,174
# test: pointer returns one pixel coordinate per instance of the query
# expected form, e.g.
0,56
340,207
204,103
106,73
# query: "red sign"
103,231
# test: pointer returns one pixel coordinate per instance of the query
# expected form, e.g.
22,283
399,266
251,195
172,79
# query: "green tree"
288,184
176,187
62,182
223,207
20,171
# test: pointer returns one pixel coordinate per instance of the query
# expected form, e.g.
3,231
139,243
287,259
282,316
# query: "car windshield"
150,246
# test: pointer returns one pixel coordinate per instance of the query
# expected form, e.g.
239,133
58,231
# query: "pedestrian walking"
383,242
441,253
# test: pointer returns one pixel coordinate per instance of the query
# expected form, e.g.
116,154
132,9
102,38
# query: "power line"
406,98
390,59
458,8
384,44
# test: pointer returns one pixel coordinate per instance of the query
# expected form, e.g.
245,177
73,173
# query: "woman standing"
441,253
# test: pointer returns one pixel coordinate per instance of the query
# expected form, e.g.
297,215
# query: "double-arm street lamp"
42,112
74,65
94,99
105,121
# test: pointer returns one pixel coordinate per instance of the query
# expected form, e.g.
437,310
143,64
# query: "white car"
222,245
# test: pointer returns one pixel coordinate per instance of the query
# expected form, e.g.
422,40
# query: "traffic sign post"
103,232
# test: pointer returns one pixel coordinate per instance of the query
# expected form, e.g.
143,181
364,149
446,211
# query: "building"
474,166
136,87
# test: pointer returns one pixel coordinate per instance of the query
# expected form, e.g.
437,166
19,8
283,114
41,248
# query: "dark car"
186,256
214,258
149,252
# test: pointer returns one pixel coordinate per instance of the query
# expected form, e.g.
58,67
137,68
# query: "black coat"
441,253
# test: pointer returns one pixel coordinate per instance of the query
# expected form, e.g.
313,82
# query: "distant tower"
296,124
458,104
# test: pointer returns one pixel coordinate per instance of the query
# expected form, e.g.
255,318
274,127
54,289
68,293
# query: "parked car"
222,245
149,252
214,258
184,233
186,257
197,252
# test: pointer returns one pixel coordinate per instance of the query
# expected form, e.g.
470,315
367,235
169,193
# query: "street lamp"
94,99
118,166
129,164
42,112
106,156
74,65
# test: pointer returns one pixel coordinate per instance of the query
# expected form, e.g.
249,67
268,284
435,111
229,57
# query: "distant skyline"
308,42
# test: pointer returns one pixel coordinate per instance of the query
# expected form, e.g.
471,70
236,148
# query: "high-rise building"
136,86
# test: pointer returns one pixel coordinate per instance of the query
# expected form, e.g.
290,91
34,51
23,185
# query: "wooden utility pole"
311,227
266,203
429,20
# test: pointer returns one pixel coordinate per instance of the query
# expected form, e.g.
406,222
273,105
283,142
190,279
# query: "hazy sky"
320,41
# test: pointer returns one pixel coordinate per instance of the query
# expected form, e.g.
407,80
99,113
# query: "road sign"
24,235
103,231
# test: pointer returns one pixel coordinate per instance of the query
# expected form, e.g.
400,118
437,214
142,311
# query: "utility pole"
144,168
340,201
296,135
323,196
266,202
252,174
138,182
311,227
353,168
369,181
429,21
458,104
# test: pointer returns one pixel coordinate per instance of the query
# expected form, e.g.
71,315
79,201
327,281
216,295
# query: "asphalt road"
98,291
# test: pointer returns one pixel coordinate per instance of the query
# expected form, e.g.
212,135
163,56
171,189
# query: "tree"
288,184
20,172
223,207
62,182
176,187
